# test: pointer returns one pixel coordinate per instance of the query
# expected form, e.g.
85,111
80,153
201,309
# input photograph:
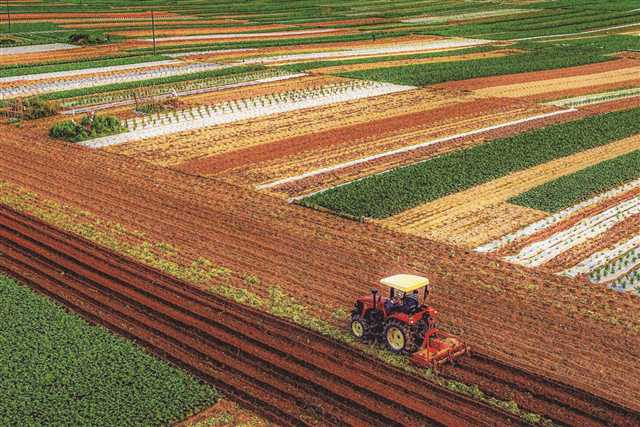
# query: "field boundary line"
405,150
599,30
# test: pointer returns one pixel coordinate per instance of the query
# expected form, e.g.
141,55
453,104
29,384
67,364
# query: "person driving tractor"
405,302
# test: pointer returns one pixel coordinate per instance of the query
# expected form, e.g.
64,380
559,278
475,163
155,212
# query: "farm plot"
567,86
388,49
52,359
18,50
183,88
597,98
592,229
179,32
310,163
384,195
243,109
21,88
71,73
193,151
466,218
467,16
234,35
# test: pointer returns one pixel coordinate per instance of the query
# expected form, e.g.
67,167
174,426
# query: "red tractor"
404,324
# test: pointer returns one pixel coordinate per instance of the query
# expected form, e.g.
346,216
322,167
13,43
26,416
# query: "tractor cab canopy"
406,284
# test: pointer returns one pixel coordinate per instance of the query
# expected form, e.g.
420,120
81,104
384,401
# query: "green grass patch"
383,195
582,185
56,369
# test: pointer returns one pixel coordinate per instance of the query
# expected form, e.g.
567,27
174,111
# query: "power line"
153,31
8,15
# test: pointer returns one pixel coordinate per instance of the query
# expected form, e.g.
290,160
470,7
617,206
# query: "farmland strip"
556,218
404,150
254,107
540,252
118,281
386,194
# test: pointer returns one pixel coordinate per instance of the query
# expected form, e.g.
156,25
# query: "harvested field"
275,165
205,143
574,85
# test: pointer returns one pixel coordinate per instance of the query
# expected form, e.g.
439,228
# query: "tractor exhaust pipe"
374,292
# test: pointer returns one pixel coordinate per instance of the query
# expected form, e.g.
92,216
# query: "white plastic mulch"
242,35
601,258
597,98
71,73
390,49
228,112
465,16
83,81
542,251
547,222
36,48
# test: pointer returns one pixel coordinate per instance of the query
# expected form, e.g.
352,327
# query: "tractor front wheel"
358,328
398,337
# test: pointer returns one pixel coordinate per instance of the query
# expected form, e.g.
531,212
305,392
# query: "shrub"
32,108
89,38
89,127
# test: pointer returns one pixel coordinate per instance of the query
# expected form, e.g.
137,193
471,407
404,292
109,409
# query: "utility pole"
8,16
153,31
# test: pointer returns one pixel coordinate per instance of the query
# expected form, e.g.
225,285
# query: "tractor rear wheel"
399,337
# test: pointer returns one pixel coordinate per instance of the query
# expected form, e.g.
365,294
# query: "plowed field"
326,262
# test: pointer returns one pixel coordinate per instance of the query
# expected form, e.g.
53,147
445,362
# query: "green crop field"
579,186
55,369
380,196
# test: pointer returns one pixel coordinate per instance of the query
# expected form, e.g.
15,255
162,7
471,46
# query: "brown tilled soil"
583,335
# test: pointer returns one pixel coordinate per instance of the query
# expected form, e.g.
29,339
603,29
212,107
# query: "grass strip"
383,195
56,369
582,185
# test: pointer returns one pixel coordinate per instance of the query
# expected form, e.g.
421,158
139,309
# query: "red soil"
546,323
236,348
582,70
569,93
345,135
